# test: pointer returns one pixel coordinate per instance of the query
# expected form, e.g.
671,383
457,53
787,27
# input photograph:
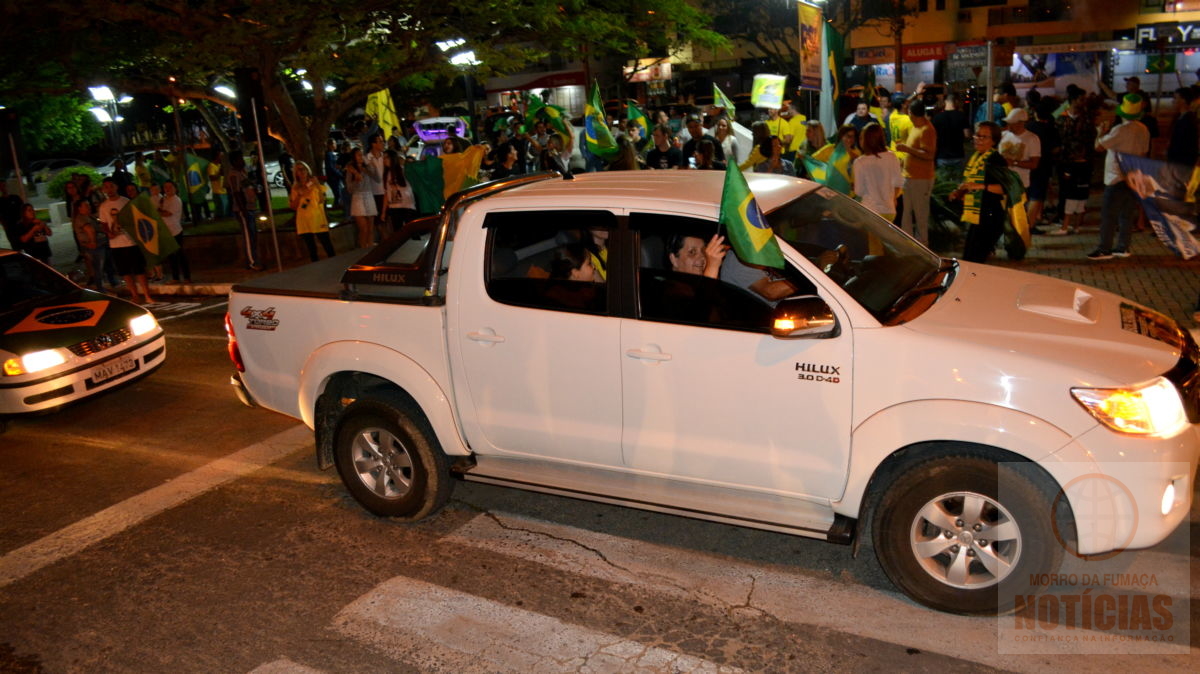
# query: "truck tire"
390,460
964,534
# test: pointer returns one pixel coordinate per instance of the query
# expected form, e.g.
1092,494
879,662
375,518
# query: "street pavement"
1152,275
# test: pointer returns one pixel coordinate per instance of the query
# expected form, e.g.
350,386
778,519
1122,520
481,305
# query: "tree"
343,51
50,122
768,25
890,17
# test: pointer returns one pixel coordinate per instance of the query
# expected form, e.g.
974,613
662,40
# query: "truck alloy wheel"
390,462
966,534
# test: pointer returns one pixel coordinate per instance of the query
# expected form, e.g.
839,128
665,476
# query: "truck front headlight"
1153,408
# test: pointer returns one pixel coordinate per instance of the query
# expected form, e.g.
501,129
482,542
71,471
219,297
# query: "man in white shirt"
1120,208
126,255
1020,146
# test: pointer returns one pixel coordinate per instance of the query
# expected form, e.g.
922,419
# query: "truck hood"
1106,339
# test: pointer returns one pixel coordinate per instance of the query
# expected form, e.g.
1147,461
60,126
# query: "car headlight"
33,362
1153,408
142,324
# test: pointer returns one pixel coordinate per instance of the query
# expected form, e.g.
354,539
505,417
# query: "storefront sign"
924,52
1174,34
1068,47
648,70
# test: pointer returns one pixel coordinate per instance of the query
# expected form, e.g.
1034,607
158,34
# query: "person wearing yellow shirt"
898,124
798,127
779,127
216,182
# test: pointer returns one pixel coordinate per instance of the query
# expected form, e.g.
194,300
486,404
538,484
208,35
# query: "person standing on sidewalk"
170,207
982,194
920,148
1120,207
244,198
127,257
1078,136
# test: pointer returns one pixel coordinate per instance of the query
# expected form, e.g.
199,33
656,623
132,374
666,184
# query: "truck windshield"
870,259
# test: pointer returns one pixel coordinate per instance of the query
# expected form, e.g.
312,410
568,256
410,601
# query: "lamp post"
108,114
466,61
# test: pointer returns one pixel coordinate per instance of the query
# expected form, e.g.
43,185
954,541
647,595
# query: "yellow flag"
380,106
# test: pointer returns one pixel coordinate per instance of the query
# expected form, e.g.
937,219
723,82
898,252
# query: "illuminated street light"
225,91
466,58
102,93
101,114
447,45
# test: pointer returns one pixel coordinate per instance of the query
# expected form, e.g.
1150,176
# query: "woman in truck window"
690,255
573,262
595,240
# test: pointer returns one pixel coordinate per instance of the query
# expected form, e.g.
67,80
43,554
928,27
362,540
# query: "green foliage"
56,123
55,189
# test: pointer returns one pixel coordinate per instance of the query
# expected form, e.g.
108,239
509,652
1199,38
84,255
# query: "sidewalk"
1152,275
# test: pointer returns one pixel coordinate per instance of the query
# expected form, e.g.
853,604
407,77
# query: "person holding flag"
128,260
755,250
832,165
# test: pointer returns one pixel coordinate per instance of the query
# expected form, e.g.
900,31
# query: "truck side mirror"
807,316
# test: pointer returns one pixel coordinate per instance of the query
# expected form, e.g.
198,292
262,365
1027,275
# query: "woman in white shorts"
362,201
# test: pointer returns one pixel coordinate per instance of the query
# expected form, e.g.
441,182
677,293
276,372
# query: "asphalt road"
166,527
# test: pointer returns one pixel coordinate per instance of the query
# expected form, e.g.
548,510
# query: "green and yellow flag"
380,106
141,221
722,101
831,166
746,227
767,90
600,141
434,179
196,176
638,118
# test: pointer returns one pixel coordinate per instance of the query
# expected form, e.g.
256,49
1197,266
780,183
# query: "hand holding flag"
747,228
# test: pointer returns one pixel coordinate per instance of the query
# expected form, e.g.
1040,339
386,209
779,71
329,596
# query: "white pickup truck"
572,337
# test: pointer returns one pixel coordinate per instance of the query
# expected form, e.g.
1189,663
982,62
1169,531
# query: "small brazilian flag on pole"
599,139
197,179
141,221
746,226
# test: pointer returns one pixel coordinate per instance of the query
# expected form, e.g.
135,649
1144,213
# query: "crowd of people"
886,153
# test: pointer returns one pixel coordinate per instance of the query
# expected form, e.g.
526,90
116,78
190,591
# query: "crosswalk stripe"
133,511
430,626
789,596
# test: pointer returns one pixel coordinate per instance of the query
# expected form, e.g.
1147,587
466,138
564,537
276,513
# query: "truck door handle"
648,355
487,336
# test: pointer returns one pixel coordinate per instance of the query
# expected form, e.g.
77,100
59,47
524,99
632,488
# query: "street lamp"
466,61
107,114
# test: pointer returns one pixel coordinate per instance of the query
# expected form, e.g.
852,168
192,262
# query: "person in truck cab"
573,262
690,255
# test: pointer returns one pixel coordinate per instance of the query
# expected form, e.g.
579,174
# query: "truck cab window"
555,260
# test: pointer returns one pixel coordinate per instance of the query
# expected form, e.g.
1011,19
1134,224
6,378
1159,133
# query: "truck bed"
321,279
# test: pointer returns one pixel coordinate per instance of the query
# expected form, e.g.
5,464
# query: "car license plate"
113,369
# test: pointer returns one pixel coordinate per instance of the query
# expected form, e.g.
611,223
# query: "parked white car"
558,335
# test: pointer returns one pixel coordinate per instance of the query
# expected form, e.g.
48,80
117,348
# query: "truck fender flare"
940,422
388,365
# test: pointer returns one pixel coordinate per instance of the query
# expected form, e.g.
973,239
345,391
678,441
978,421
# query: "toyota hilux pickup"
584,337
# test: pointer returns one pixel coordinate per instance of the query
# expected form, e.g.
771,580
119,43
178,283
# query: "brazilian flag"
832,166
141,221
638,118
196,176
747,228
600,141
